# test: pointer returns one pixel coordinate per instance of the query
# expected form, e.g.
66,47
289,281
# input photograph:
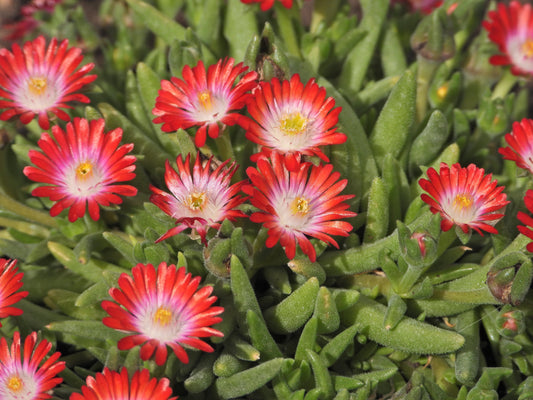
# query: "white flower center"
520,50
300,205
84,179
293,212
293,124
161,322
18,385
210,108
37,93
196,201
461,208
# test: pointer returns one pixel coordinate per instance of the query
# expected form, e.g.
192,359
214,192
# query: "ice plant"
81,167
112,385
293,119
268,4
520,142
23,374
38,80
199,200
162,308
297,204
511,28
464,197
10,282
526,219
204,99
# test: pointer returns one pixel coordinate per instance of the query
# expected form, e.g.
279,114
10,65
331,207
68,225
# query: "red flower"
268,4
526,219
293,120
511,28
81,167
37,80
112,385
200,200
465,197
294,204
10,282
520,142
204,99
162,308
28,378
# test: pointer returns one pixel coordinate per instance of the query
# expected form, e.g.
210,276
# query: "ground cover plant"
260,199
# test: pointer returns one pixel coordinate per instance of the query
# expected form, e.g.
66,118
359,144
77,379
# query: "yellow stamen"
293,124
163,316
37,85
14,384
84,170
196,200
463,201
442,91
205,100
300,205
527,48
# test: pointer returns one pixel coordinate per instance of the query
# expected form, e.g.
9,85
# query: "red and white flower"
199,200
38,80
204,99
526,219
293,119
10,282
465,197
520,142
81,168
112,385
511,28
23,374
297,204
162,308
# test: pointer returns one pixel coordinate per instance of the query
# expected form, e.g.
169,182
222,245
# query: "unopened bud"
510,322
433,39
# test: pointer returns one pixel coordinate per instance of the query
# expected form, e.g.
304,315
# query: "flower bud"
418,248
510,322
433,38
265,55
217,256
509,279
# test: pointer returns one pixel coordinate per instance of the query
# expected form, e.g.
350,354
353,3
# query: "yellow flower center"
14,384
442,91
527,48
463,201
206,100
293,124
300,205
196,200
162,316
84,170
37,86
